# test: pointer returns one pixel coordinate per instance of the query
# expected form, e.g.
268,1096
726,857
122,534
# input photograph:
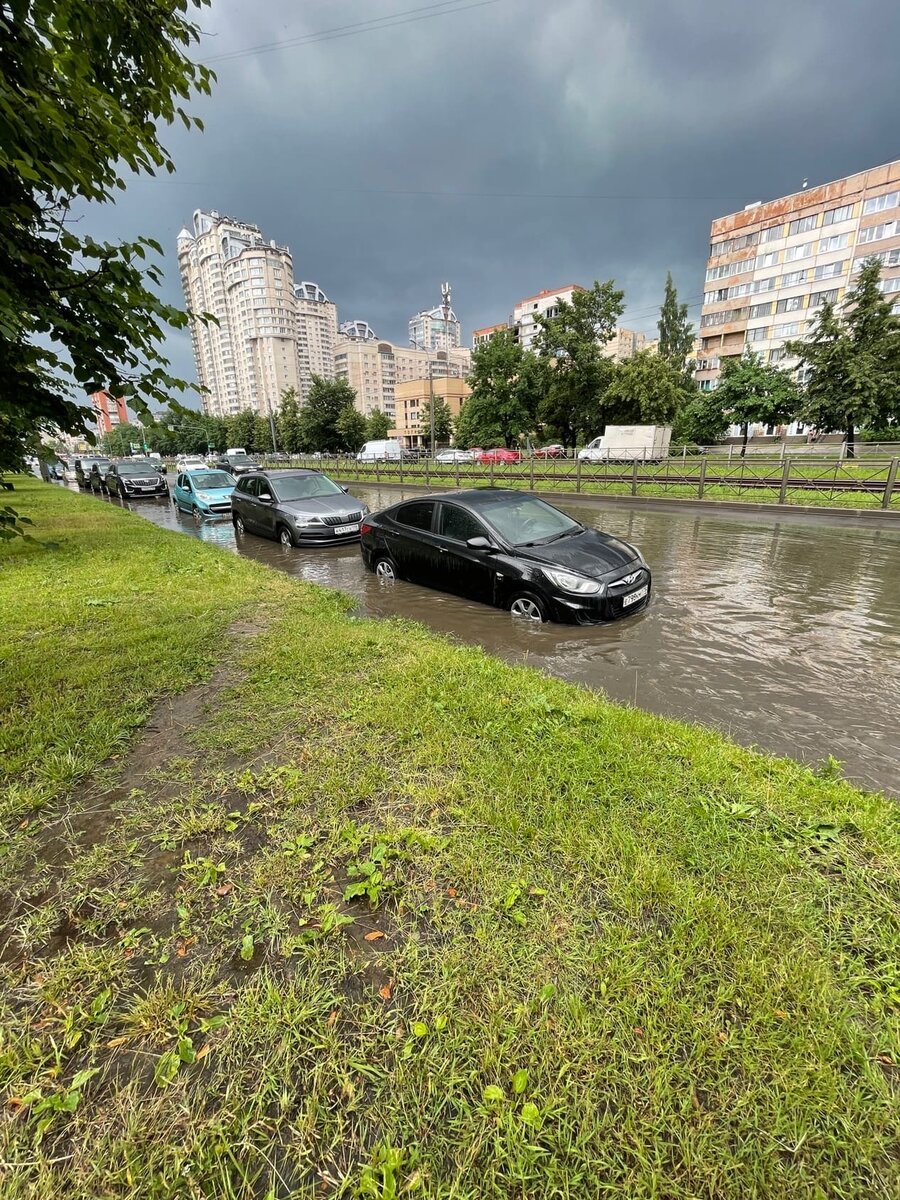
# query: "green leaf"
166,1068
530,1114
247,947
420,1029
520,1081
493,1094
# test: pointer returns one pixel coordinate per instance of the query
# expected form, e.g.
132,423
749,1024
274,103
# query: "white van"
380,452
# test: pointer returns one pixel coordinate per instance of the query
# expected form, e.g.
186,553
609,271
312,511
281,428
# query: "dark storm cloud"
676,112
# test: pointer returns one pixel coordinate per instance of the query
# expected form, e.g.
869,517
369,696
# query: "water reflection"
785,633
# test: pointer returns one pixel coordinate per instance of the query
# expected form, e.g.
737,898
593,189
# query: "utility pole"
431,394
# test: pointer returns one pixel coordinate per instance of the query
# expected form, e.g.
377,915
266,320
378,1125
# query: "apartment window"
830,270
887,258
802,251
791,304
766,260
889,286
761,310
793,278
817,299
757,335
876,232
773,234
764,285
789,329
803,224
834,215
880,203
837,241
748,239
777,354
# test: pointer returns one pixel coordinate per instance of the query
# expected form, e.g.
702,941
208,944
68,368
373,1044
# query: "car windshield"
527,521
137,467
240,459
212,479
305,487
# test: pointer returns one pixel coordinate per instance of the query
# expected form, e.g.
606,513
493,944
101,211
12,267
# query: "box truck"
624,443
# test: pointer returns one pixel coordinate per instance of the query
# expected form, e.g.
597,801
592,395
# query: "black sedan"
509,549
135,477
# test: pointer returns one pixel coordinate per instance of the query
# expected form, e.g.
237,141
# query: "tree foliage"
751,390
702,420
378,426
573,402
83,89
443,420
505,383
854,361
326,403
351,426
676,334
288,422
647,389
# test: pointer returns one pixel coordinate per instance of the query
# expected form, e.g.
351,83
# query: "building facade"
411,424
772,265
624,343
317,331
437,328
544,304
109,411
248,358
480,336
374,368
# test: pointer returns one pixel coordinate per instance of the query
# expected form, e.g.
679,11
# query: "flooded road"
783,632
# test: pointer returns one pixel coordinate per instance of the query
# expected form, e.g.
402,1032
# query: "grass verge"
361,913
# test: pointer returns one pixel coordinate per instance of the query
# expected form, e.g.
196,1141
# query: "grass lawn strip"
303,905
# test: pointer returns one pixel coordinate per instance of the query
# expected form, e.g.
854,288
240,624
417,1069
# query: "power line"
407,17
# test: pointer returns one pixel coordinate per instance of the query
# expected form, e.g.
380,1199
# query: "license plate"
346,529
633,597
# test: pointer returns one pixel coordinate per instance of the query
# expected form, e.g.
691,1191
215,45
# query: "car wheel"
528,607
386,568
285,536
239,528
198,516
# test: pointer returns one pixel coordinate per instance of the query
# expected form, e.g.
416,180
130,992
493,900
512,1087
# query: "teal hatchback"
205,493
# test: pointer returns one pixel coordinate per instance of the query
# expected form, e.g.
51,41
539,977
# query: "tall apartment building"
545,304
251,356
437,328
771,266
480,336
109,411
373,368
413,399
624,343
317,331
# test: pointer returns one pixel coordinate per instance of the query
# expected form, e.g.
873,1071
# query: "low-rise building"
412,399
624,343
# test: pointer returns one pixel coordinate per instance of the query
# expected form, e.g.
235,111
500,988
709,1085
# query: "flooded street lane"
782,632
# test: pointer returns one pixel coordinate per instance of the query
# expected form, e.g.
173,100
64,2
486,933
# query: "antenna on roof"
805,184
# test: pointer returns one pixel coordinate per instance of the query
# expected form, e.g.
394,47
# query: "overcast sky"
515,145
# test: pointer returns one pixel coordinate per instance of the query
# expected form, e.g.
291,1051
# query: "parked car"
499,455
511,550
84,466
204,492
191,462
99,471
136,477
455,456
297,507
381,451
552,451
236,463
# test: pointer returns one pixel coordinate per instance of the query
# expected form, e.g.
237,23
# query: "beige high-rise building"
436,328
624,343
526,326
317,331
373,368
772,266
411,426
251,355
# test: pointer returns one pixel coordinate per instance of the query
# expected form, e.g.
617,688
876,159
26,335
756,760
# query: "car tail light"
365,528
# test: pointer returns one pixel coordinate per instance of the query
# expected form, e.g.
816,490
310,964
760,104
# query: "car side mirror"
481,543
266,497
345,487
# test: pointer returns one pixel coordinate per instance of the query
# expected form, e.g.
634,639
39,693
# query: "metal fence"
848,483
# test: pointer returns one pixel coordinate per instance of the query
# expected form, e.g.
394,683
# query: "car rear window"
417,515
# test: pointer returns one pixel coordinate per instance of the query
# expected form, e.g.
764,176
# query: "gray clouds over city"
513,145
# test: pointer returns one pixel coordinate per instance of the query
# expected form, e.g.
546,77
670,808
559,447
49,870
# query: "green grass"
620,955
653,479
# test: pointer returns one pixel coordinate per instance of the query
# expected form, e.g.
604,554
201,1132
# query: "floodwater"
783,632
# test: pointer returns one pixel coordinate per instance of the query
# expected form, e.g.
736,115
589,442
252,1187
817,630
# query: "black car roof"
281,472
472,497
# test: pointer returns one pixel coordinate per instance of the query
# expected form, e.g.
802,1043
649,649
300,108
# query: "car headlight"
301,520
204,496
569,582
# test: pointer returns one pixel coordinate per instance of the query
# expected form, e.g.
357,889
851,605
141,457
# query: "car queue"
499,546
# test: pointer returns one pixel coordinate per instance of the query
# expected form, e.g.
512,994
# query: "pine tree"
676,334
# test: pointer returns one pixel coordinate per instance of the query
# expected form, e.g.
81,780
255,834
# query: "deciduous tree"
351,427
504,399
326,402
443,420
378,426
647,389
288,421
751,390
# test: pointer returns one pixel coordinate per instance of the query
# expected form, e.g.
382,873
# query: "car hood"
216,493
324,506
597,555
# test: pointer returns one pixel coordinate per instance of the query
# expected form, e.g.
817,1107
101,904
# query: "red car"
554,451
499,455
